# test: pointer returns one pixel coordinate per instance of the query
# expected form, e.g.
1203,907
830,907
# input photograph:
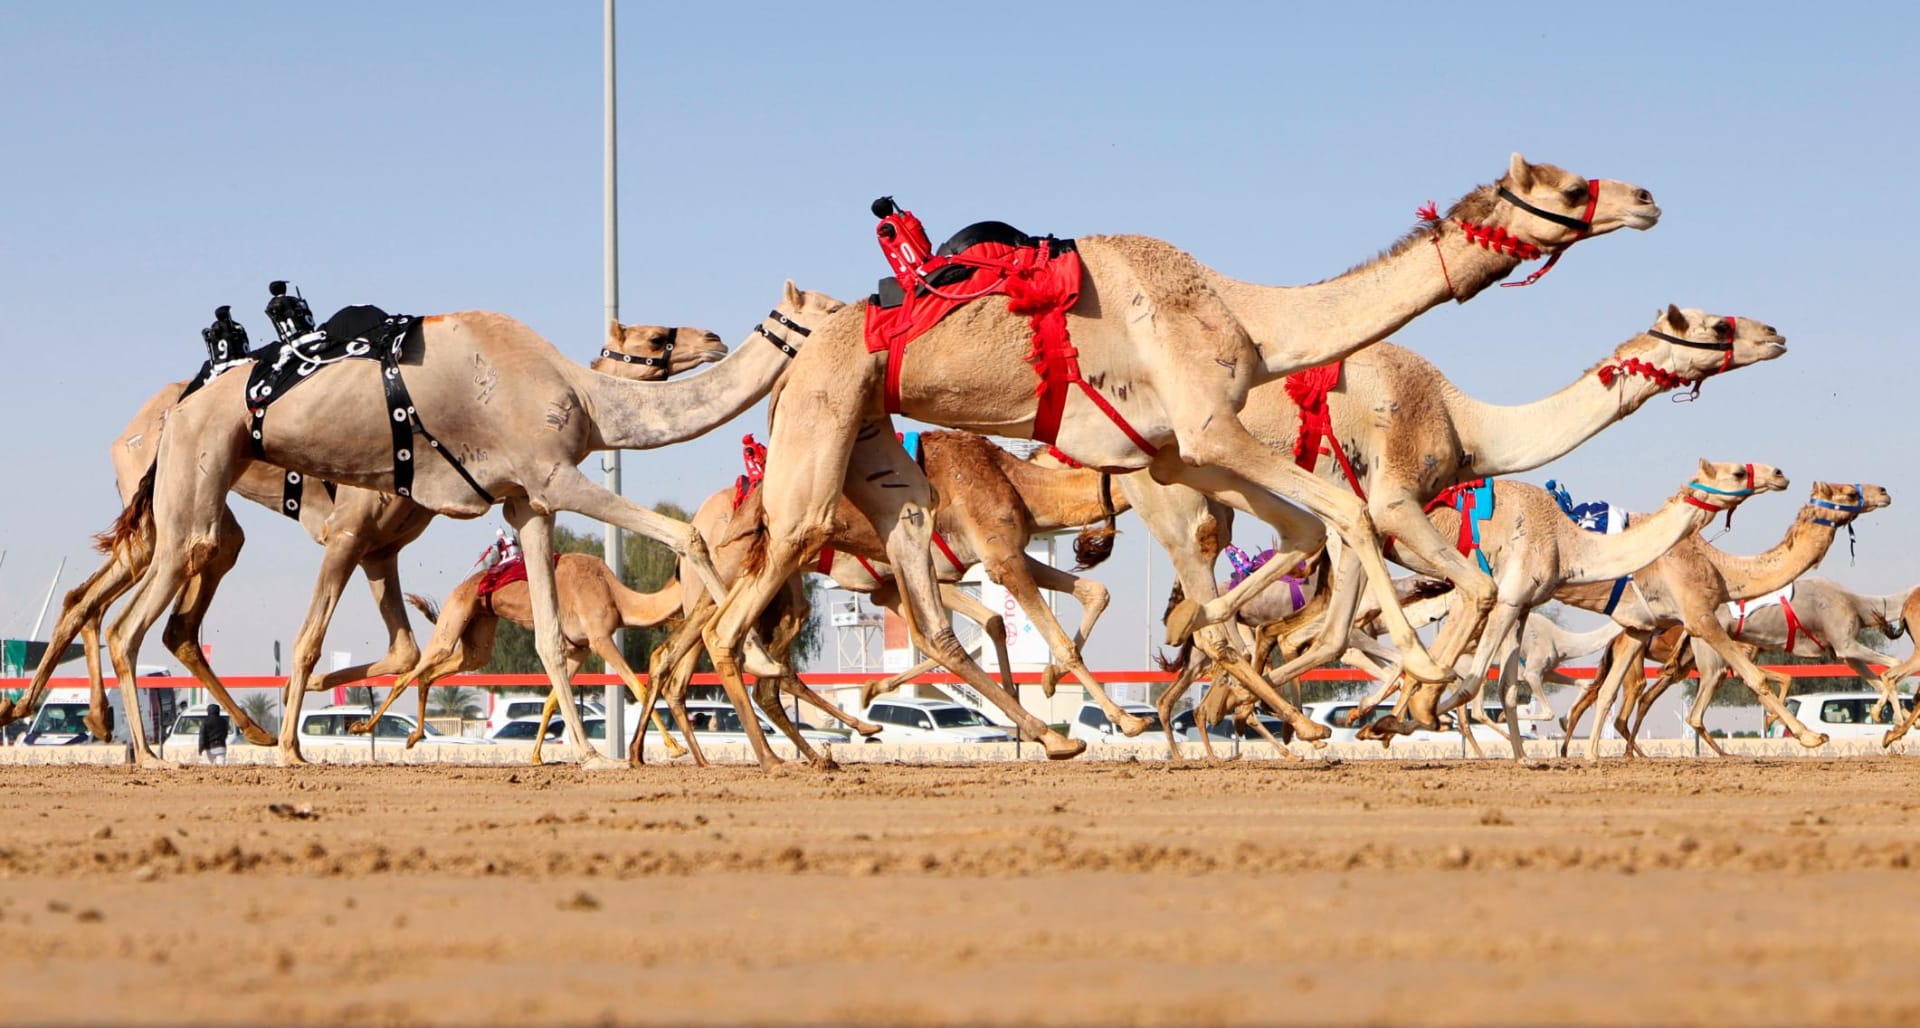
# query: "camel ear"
792,293
1519,172
1706,468
1676,320
613,329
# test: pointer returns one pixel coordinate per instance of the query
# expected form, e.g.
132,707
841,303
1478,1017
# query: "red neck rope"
1498,240
1666,379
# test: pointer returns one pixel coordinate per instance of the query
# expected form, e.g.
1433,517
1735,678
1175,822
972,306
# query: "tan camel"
1535,550
1689,585
1171,349
1438,437
991,504
1827,620
511,419
358,527
594,604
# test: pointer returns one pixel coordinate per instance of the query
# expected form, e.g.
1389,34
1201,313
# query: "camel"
1909,610
1826,621
510,417
1688,586
594,604
358,527
1438,437
991,504
1165,351
1535,551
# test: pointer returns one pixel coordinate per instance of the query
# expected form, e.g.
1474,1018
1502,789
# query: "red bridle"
1499,240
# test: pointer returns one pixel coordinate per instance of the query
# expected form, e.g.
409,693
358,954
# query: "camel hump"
984,232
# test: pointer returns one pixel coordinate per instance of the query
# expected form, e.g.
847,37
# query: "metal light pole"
610,285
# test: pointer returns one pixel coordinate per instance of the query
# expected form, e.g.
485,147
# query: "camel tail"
429,609
755,560
1176,663
134,523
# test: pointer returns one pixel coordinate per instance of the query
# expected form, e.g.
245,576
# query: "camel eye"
1723,329
1742,473
1577,193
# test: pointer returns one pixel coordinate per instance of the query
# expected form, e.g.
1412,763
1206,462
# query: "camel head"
1721,486
1693,344
1839,503
648,353
1553,203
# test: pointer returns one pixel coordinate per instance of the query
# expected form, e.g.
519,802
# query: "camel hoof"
291,758
869,692
1060,747
1811,740
1311,731
1893,735
149,762
6,712
258,736
360,727
596,762
1131,725
825,761
867,729
97,726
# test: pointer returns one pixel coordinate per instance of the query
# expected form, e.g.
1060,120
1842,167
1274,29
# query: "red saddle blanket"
1038,283
506,573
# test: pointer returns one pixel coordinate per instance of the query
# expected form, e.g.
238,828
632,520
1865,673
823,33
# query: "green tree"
262,709
455,701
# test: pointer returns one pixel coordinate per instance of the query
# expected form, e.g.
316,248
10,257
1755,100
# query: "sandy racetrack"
1753,891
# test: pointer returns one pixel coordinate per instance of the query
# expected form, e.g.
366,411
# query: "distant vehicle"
60,721
1334,715
526,729
1221,732
1842,715
931,721
186,730
514,708
329,726
718,724
1092,725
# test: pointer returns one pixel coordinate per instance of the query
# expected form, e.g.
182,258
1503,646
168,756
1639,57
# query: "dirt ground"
1668,891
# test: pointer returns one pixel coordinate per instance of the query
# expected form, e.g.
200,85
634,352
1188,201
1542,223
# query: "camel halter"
1499,240
1843,508
1667,379
663,362
1718,507
784,322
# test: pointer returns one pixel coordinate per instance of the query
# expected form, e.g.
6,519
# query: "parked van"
60,721
1842,715
931,721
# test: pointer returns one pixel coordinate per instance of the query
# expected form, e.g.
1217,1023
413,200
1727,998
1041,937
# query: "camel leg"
1630,649
163,582
403,652
1171,698
1017,572
797,688
1420,546
182,634
1707,628
536,542
1510,699
1713,671
81,612
992,624
1675,670
1211,433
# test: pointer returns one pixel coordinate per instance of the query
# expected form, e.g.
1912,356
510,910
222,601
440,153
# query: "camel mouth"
1641,220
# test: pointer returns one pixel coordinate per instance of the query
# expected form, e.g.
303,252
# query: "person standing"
213,735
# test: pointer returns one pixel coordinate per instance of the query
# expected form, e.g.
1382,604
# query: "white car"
1334,713
514,708
186,730
718,724
1221,732
328,726
1842,715
931,721
1092,725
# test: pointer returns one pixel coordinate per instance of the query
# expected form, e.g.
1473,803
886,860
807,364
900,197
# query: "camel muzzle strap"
1583,225
663,362
1716,507
784,322
1724,347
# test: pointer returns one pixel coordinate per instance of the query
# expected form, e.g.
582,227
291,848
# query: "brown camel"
1170,348
511,419
991,504
1827,620
1535,551
358,527
1688,586
594,604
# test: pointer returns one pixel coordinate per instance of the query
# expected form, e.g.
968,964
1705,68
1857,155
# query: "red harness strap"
1794,627
825,565
941,542
1308,389
1037,283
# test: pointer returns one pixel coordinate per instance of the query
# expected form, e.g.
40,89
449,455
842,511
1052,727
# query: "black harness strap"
665,360
1563,220
1677,341
291,487
405,422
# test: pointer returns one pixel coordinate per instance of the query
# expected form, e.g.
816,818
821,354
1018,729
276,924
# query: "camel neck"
1646,537
1504,439
646,415
1060,497
1303,326
643,610
1575,644
1802,550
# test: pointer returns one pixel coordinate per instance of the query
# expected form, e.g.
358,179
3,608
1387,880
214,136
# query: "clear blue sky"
163,159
